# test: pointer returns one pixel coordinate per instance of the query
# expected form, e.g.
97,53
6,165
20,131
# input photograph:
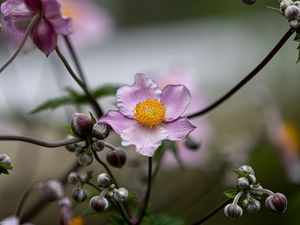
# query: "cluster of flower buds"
291,10
51,190
249,2
248,193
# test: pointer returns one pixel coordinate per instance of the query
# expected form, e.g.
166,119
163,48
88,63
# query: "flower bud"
79,194
284,4
243,183
52,190
246,168
73,178
99,203
294,24
103,180
81,124
84,178
253,206
276,203
121,194
291,12
116,158
252,179
249,2
84,159
100,131
98,146
5,159
192,144
233,211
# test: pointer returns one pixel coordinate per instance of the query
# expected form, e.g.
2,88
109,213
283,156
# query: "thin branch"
34,141
212,213
91,99
148,192
252,74
24,197
19,48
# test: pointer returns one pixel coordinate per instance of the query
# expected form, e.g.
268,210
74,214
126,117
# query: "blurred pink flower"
17,14
13,220
66,213
90,22
192,158
147,115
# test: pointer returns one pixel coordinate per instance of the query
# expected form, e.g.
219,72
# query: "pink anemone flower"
147,115
13,220
17,15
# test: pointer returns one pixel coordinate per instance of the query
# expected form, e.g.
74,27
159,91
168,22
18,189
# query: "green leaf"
241,173
231,193
297,38
4,168
75,98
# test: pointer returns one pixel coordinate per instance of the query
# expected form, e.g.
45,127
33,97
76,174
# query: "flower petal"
53,14
34,5
117,121
13,220
145,139
44,36
175,98
178,129
142,89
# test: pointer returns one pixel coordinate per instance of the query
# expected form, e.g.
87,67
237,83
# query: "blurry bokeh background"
215,44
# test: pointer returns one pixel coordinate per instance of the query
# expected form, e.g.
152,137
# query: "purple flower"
147,115
13,220
17,14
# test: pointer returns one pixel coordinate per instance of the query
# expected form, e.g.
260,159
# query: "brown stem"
252,74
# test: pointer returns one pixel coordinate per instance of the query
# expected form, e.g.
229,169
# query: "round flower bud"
52,190
70,147
253,206
116,158
243,183
246,168
121,194
252,179
284,4
79,194
84,178
249,2
73,178
81,124
98,146
5,159
233,211
99,203
294,24
277,203
100,131
103,180
84,159
291,12
192,144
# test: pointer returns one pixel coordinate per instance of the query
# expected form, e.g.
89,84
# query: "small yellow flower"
77,221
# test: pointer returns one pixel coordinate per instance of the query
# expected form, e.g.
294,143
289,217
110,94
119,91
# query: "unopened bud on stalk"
284,4
84,159
73,178
243,183
103,180
81,124
277,203
98,146
246,168
116,158
99,203
294,24
84,178
121,194
100,131
291,12
52,190
79,194
233,211
253,206
5,159
249,2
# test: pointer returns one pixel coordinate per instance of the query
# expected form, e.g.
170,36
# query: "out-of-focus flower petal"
53,14
13,220
142,89
44,36
175,98
34,5
117,121
146,139
178,129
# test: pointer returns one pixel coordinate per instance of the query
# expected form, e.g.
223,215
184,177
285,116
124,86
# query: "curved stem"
244,81
122,211
91,99
23,198
110,146
212,213
237,197
262,190
75,59
19,48
34,141
148,192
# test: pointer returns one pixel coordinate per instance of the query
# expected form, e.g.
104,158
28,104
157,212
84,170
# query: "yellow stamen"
70,10
76,221
150,113
289,137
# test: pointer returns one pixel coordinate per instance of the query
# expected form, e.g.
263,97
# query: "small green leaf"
93,119
241,173
231,193
4,168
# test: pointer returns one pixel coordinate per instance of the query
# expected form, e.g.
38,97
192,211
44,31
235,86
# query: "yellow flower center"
150,113
76,221
69,10
289,137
